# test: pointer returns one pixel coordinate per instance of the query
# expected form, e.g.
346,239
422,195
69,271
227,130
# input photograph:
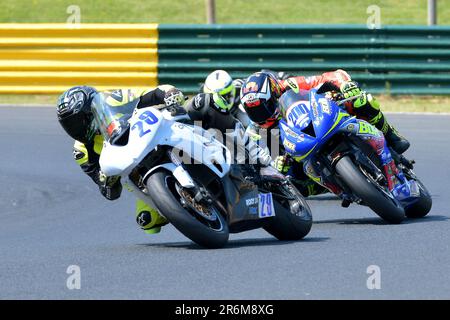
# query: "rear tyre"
207,227
373,195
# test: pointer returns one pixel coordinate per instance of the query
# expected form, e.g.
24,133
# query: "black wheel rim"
208,216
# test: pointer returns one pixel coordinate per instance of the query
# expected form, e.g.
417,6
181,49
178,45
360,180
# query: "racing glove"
174,100
110,187
361,101
282,164
350,89
252,132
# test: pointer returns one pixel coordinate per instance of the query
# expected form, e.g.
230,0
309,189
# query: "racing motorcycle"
188,176
349,156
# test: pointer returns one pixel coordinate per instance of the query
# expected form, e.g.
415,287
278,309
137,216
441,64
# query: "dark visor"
261,113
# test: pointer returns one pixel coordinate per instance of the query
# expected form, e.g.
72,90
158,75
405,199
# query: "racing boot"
148,218
395,140
367,107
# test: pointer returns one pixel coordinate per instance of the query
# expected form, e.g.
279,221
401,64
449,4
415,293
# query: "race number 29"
147,117
265,205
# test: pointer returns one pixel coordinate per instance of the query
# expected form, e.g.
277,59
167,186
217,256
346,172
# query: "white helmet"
220,84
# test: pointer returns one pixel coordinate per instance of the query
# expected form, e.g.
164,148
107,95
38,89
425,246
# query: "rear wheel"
201,223
375,196
293,219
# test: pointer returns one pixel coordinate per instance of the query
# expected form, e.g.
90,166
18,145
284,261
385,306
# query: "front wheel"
373,195
201,223
422,205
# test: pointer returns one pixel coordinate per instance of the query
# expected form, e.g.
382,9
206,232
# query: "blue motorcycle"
349,156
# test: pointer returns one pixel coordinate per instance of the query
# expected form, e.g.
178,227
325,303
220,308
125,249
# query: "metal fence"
48,58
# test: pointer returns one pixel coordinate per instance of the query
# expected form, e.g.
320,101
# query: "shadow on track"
432,218
259,242
379,221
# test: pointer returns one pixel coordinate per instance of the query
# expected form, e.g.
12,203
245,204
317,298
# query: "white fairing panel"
199,145
146,134
120,160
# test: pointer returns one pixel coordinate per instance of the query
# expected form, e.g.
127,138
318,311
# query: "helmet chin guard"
221,85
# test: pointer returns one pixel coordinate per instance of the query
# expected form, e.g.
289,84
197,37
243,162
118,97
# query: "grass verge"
227,11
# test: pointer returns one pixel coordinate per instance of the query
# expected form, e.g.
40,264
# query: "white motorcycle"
188,176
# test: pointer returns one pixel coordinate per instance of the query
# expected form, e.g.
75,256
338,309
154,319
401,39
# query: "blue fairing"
310,120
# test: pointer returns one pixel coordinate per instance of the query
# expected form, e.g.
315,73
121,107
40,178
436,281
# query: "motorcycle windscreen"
325,114
111,120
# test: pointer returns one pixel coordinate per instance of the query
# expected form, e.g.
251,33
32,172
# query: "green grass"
28,99
389,104
436,104
228,11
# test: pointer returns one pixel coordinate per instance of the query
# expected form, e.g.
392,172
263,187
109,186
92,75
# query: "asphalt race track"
52,216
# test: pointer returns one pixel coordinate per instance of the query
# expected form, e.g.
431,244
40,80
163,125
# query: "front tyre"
203,225
422,206
373,195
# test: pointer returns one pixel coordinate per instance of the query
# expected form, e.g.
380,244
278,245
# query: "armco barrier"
49,58
393,59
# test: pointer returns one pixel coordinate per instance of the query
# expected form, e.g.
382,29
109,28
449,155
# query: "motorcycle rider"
226,92
75,116
259,97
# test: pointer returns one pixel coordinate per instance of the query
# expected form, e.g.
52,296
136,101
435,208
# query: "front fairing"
112,121
308,124
120,160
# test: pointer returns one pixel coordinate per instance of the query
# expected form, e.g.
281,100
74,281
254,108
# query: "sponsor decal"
250,87
251,202
251,100
293,84
366,128
315,109
325,106
289,145
291,133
